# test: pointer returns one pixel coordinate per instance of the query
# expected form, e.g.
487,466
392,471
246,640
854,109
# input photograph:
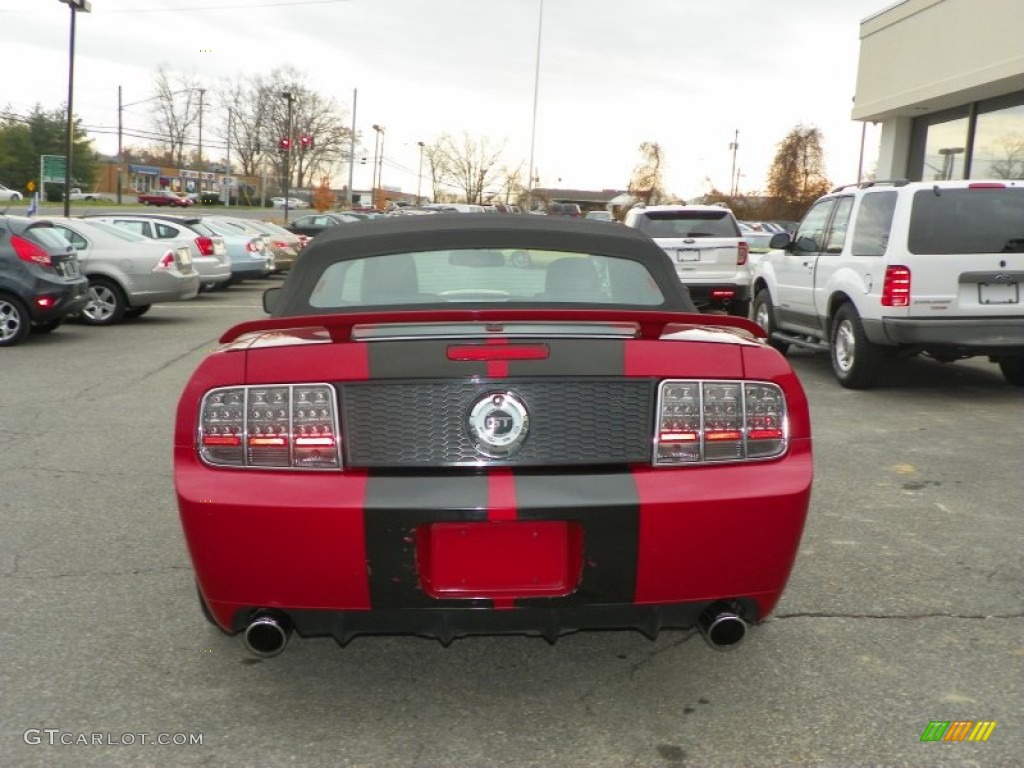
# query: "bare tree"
1012,165
797,175
469,164
313,115
175,110
646,183
512,182
438,169
244,104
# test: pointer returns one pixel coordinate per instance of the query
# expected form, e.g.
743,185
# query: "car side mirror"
780,241
270,297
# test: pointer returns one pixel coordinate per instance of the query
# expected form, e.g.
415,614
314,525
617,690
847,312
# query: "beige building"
945,79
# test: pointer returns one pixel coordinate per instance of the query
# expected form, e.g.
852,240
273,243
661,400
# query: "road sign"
31,186
52,168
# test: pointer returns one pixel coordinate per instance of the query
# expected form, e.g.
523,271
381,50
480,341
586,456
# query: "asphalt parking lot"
906,604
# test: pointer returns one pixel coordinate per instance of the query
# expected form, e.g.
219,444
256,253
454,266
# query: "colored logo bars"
958,730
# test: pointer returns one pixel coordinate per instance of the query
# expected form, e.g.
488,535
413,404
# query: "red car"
424,438
165,197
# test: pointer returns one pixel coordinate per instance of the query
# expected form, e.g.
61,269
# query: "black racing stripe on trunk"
573,357
396,504
418,359
608,507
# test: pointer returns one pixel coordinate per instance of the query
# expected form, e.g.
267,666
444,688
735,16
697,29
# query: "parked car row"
104,268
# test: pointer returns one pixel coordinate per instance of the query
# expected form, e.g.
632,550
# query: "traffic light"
306,140
284,144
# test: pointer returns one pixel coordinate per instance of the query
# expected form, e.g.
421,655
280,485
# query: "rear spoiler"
649,325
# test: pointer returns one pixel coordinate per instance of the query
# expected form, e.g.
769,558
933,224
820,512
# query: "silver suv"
887,269
707,248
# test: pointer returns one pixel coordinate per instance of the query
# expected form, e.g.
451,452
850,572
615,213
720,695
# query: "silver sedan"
127,272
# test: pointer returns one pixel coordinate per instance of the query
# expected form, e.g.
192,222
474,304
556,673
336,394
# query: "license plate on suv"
998,293
688,254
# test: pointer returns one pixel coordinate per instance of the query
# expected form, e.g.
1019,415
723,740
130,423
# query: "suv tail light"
744,253
719,421
205,245
896,288
165,263
30,252
278,427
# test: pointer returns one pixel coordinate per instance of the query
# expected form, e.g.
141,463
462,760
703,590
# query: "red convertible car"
425,438
165,197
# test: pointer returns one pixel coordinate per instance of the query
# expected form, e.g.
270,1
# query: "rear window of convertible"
485,275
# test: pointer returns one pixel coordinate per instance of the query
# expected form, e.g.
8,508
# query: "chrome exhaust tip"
267,636
722,628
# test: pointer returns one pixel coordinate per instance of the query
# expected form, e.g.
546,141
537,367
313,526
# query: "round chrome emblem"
498,424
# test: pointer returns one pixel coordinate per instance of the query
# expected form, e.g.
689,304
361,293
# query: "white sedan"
9,194
293,202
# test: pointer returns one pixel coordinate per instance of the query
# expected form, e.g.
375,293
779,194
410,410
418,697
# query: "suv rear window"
979,220
688,224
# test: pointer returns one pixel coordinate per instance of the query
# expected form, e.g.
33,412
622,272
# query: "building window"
945,150
999,144
976,141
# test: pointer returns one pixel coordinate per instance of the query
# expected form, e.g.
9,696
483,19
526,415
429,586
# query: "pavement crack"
651,656
14,575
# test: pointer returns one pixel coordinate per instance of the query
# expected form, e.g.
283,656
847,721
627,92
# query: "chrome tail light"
288,426
719,421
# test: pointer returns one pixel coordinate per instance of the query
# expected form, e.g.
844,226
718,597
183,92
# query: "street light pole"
734,145
352,149
536,88
289,97
378,130
85,6
419,183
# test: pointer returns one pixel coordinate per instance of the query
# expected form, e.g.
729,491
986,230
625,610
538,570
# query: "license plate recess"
499,559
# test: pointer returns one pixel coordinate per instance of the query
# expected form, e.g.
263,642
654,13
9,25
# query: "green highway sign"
53,168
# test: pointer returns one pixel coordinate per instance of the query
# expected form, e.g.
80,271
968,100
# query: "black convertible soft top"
456,231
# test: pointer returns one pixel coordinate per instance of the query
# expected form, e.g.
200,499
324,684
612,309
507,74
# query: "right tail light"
719,421
205,245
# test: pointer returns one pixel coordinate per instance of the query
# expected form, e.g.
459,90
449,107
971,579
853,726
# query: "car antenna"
936,190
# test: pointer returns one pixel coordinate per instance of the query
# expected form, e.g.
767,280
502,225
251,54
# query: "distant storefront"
945,78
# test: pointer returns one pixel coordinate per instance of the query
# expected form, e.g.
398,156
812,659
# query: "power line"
246,6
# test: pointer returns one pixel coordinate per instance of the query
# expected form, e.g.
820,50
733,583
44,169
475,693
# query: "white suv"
883,270
707,249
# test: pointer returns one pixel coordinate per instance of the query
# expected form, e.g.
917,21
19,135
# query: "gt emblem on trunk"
498,424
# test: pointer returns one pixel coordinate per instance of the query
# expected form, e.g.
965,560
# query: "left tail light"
719,421
743,253
254,246
290,426
165,263
26,250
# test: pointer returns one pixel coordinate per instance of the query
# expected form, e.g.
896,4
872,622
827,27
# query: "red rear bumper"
605,549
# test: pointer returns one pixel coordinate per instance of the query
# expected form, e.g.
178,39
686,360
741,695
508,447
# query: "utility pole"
120,151
227,169
199,160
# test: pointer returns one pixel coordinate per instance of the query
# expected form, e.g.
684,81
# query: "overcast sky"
613,73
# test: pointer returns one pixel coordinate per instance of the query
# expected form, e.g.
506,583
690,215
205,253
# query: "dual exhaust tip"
722,628
267,635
